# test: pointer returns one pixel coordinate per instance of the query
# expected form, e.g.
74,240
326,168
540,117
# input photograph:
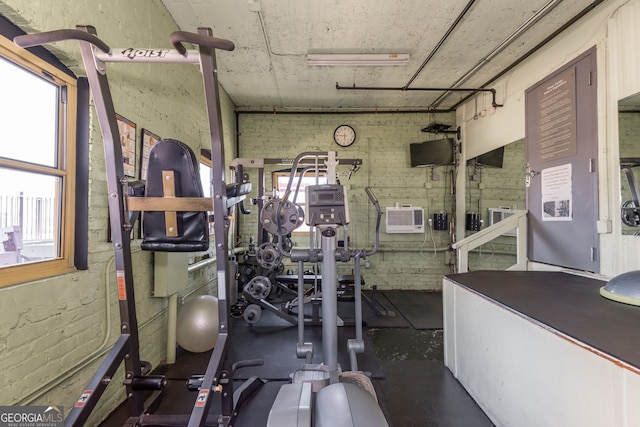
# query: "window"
37,167
281,178
205,178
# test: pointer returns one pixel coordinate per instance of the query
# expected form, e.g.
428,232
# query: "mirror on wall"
629,142
495,181
495,190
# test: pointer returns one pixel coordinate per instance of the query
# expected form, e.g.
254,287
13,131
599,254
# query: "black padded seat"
193,230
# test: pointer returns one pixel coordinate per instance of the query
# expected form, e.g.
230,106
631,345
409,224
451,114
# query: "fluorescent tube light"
357,59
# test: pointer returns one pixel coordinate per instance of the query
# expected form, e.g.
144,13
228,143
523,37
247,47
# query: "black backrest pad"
193,232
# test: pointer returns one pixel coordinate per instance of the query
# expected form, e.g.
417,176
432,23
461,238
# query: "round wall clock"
344,135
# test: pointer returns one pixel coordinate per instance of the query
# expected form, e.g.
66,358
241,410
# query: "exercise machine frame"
123,210
327,211
309,161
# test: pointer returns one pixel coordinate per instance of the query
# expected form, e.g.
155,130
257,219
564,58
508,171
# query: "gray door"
562,192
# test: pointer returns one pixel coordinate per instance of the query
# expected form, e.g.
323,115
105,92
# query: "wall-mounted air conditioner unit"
498,214
405,220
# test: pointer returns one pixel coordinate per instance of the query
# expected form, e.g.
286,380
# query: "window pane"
29,217
205,179
28,116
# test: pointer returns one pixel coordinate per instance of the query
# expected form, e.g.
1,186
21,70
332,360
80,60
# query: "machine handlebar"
179,37
375,203
38,39
373,199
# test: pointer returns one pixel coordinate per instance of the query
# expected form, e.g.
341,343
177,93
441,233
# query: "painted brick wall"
55,332
405,260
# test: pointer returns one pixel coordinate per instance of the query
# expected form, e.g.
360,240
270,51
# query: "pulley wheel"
252,314
268,256
259,287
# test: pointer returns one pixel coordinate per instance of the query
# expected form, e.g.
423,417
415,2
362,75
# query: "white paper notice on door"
557,199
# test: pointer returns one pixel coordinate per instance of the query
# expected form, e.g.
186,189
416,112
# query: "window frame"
207,188
65,168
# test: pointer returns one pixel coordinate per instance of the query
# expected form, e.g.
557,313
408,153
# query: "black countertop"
567,303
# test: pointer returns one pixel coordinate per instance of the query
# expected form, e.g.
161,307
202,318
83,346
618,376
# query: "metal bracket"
530,174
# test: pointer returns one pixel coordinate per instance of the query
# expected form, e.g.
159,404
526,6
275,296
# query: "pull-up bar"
129,54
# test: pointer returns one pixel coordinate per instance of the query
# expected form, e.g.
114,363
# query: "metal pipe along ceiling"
551,36
455,87
427,89
539,14
441,42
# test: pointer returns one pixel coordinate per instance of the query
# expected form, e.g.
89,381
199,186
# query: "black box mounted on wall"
440,221
473,222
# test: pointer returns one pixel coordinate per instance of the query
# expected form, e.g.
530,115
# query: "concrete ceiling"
451,43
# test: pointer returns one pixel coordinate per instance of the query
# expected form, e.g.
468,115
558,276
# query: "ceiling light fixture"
357,59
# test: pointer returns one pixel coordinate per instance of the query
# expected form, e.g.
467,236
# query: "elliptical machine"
261,271
322,392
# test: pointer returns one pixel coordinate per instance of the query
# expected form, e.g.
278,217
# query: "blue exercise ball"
197,324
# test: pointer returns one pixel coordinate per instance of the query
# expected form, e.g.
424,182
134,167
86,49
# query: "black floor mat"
177,404
407,344
391,318
424,393
277,346
423,309
414,387
377,312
